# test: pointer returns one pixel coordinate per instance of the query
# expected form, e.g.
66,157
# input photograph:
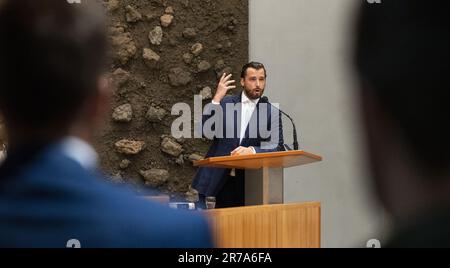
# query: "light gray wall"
304,45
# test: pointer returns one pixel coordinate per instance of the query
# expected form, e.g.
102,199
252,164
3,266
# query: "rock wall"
165,52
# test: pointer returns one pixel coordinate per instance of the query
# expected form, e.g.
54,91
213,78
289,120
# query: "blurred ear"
372,120
98,104
94,113
374,116
380,144
104,95
242,82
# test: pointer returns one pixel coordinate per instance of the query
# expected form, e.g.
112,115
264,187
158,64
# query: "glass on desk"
210,202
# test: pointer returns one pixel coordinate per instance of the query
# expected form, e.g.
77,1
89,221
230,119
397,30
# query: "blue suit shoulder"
229,99
55,191
152,224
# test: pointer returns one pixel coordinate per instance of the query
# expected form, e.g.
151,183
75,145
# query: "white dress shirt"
248,107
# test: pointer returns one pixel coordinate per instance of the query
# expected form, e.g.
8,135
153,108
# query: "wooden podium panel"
268,226
263,160
264,177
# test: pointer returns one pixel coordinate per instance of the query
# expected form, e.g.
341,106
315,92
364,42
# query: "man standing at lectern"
252,116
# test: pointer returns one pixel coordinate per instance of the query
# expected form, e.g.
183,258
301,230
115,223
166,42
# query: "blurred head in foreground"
52,66
54,94
402,59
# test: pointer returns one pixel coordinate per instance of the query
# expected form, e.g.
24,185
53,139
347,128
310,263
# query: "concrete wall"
304,44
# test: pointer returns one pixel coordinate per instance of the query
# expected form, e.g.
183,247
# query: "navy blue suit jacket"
47,199
209,181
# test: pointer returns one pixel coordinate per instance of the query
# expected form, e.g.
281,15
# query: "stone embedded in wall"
123,45
203,66
155,115
151,59
169,10
219,47
155,36
189,33
171,147
123,113
195,157
180,160
124,164
187,58
117,29
220,65
226,71
179,77
151,16
197,49
120,77
129,147
132,15
112,5
192,195
166,20
155,177
206,93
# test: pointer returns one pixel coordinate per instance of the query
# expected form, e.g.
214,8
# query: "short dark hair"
403,54
51,56
254,65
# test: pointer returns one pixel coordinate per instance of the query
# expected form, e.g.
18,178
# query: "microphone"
264,99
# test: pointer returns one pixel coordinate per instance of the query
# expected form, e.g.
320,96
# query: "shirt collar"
80,151
245,99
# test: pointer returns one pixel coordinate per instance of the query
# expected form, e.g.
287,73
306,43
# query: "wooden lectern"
263,172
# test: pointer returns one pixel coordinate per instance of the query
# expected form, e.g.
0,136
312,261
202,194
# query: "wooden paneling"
272,226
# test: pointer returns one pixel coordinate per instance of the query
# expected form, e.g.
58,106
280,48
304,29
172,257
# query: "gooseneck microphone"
266,100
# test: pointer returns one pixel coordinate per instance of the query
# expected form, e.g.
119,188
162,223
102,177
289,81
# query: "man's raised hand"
225,84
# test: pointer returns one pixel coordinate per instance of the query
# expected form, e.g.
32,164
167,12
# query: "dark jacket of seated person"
53,194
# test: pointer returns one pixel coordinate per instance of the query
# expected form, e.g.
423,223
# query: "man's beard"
254,94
